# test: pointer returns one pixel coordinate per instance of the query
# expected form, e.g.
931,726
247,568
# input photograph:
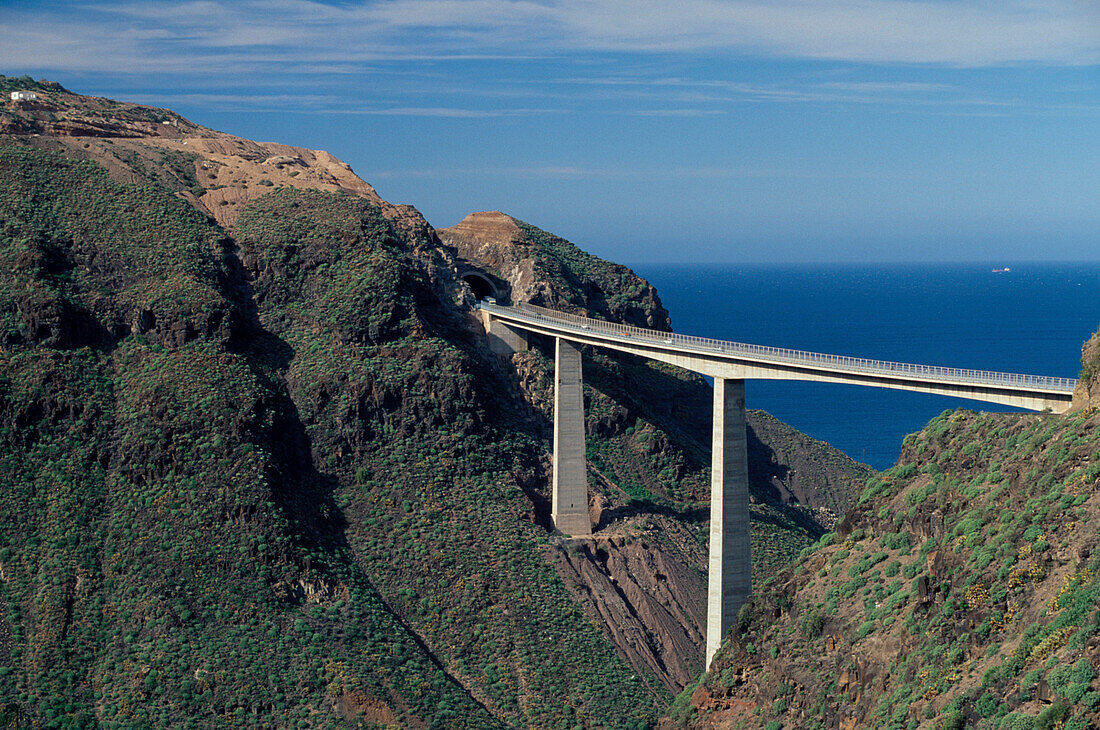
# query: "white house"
24,96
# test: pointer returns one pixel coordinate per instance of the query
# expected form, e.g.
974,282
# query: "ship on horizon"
1005,270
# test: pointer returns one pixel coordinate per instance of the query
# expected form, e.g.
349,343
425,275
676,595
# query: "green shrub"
953,720
1051,716
1017,721
987,705
812,624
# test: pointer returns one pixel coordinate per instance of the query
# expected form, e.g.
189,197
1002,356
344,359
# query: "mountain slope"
962,591
263,471
159,564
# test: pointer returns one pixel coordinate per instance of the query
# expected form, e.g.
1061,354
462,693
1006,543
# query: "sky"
647,132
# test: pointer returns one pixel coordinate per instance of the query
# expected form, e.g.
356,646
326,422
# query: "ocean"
1032,319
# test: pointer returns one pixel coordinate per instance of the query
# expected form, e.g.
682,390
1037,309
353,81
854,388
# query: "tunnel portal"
481,285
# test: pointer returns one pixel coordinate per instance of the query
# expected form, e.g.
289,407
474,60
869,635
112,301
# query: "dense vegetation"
157,566
961,592
394,398
268,476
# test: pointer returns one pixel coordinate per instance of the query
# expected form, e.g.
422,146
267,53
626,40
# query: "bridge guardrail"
537,314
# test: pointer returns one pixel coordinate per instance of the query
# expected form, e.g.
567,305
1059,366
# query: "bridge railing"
671,340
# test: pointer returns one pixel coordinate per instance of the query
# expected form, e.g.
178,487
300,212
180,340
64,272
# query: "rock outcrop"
651,600
549,271
1087,393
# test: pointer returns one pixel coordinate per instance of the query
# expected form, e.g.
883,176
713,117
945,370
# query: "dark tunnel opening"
480,286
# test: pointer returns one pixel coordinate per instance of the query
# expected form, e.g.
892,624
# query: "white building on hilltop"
24,96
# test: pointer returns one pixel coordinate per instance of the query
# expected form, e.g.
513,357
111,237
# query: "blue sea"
1032,319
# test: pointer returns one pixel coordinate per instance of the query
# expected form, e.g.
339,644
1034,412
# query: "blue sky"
700,130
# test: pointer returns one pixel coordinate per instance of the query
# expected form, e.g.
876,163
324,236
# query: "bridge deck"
594,331
730,363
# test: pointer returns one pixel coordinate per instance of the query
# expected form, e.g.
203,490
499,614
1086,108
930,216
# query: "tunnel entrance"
480,285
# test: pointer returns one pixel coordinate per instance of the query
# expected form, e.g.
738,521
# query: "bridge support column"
730,574
503,338
570,495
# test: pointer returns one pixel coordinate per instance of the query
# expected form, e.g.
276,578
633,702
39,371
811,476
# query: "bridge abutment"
730,569
570,491
504,339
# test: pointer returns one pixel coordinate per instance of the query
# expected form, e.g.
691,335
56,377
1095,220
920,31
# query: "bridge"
729,364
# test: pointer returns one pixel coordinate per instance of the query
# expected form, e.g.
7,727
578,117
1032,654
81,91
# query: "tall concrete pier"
570,493
730,570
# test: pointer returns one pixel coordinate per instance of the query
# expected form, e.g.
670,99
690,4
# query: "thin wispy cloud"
687,91
329,104
235,100
575,172
456,113
163,35
676,112
571,172
888,86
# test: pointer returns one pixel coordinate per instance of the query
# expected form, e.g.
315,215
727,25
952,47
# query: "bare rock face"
218,173
787,466
493,240
547,270
488,236
234,171
1087,393
648,597
225,172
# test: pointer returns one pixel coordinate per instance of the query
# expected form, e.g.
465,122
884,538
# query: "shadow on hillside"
765,470
695,514
304,494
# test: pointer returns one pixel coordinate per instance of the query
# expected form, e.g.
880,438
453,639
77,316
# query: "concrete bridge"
730,364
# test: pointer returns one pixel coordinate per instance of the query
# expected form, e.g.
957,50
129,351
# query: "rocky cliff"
549,271
1087,393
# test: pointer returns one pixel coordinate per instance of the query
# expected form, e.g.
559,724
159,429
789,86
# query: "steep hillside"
262,470
170,549
237,495
961,592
